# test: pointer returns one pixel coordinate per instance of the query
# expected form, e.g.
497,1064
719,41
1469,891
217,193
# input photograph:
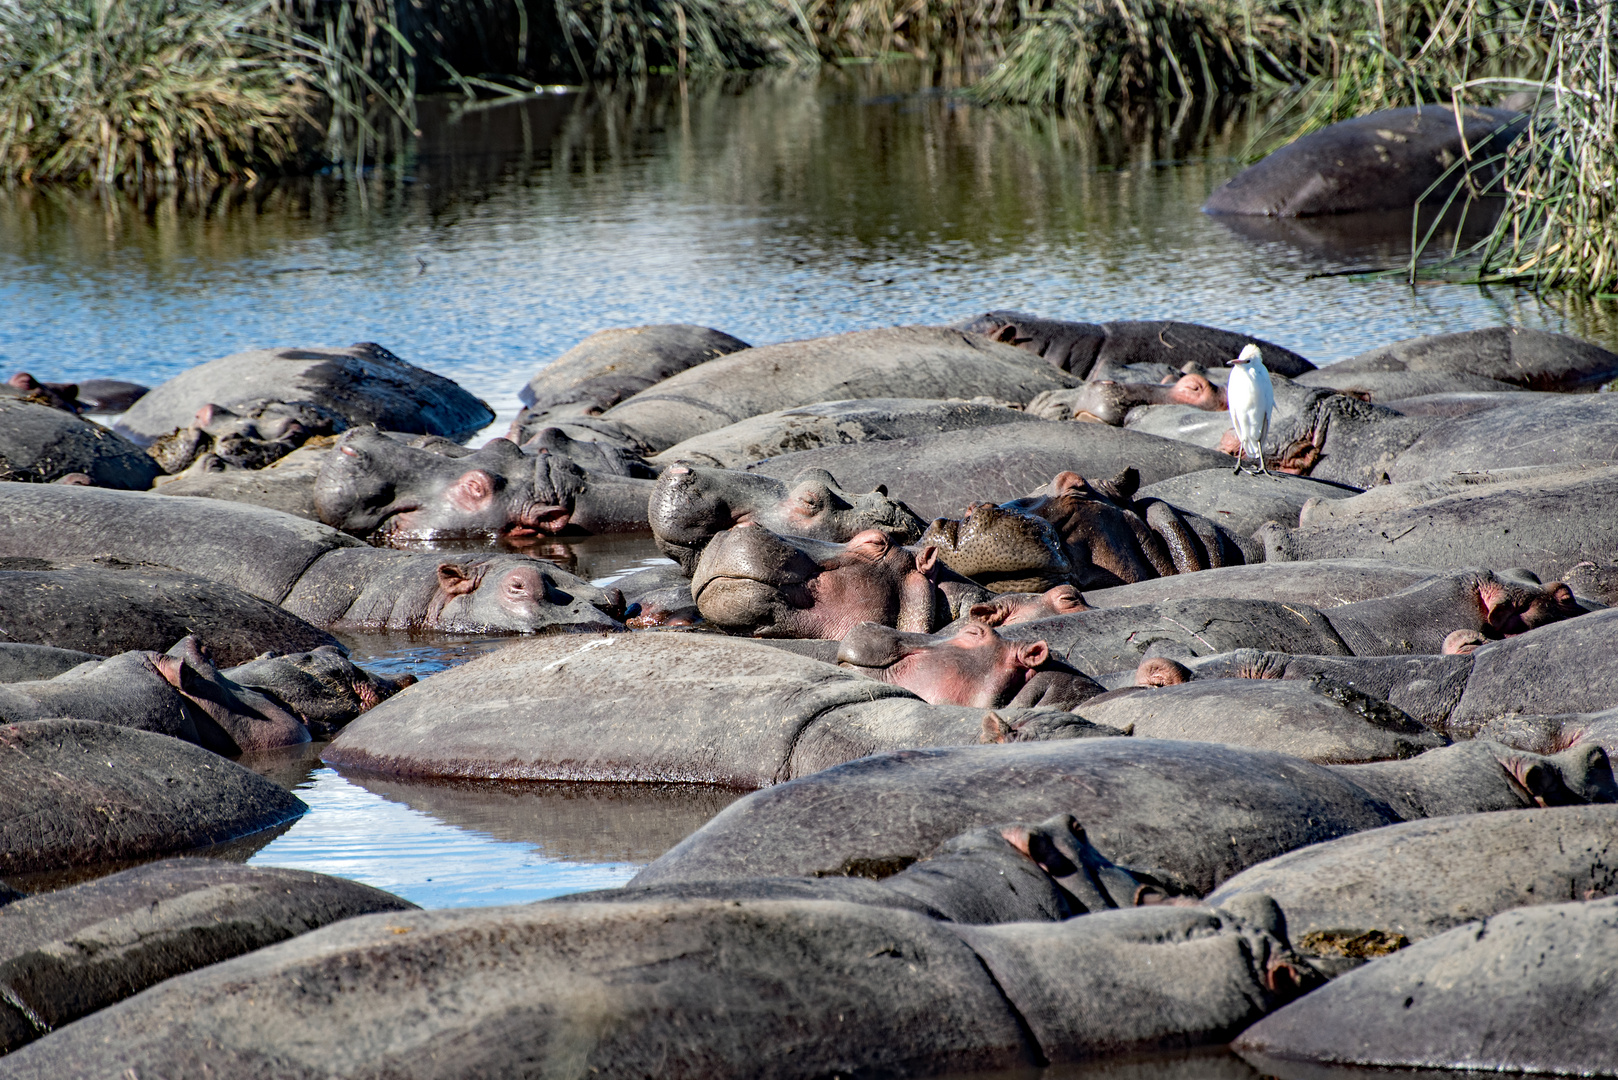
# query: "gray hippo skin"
1092,350
319,687
42,445
1240,505
692,504
1528,359
1544,520
66,808
317,573
63,955
1540,673
832,423
693,989
939,475
112,607
707,709
372,485
1524,991
1384,161
610,366
179,693
22,663
1423,878
1414,620
1323,583
916,361
1110,402
1188,814
286,484
363,384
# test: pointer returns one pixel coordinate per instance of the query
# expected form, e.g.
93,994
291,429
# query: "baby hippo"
973,666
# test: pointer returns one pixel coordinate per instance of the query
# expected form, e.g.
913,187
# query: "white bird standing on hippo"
1252,400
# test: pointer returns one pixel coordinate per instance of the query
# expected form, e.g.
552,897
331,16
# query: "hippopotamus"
1523,991
42,445
286,484
322,576
916,361
1386,160
1091,351
833,423
972,666
609,366
1238,504
362,384
1460,402
1423,878
250,436
1414,620
662,706
173,916
181,693
717,989
24,663
1004,550
66,807
751,579
691,504
1599,583
1545,520
1463,694
1325,583
86,395
60,396
1188,814
371,485
321,687
938,475
110,607
1520,357
1108,402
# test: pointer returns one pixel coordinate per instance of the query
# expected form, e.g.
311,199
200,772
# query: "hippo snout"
872,645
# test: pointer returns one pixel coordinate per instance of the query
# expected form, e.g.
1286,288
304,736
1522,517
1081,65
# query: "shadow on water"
473,843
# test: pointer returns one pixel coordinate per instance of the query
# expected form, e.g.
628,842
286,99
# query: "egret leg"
1262,435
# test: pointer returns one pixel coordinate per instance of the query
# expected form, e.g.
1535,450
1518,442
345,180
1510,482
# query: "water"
775,208
780,208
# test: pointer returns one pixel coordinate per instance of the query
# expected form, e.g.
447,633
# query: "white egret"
1252,400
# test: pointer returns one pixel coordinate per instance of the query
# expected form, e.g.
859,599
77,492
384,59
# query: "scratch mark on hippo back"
576,653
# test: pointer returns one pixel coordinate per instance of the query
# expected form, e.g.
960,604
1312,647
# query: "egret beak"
1249,352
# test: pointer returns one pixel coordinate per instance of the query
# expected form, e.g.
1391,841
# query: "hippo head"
1002,549
1107,540
1515,602
229,718
249,436
514,593
692,503
749,578
1069,346
371,484
1007,609
1109,402
973,666
322,688
1579,774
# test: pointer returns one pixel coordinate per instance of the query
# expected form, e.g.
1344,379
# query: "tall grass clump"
165,90
962,31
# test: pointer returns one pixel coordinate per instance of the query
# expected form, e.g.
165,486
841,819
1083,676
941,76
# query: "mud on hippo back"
691,504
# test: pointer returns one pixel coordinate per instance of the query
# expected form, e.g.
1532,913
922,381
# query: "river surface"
775,208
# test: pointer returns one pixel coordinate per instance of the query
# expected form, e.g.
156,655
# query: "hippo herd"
1064,742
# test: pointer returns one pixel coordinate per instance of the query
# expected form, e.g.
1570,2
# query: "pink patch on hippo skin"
1462,643
472,491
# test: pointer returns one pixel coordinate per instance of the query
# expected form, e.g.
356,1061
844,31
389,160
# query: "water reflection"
781,207
464,843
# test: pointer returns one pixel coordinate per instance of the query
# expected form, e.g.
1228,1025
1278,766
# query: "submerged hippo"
315,572
698,708
1523,991
174,916
363,384
610,366
1091,350
1189,814
916,361
1109,402
1413,620
42,445
66,807
750,579
1386,160
1545,520
372,485
938,475
691,504
700,988
250,436
832,423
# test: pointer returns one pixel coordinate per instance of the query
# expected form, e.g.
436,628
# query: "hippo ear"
995,730
472,491
987,614
1067,483
1032,654
927,558
455,580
